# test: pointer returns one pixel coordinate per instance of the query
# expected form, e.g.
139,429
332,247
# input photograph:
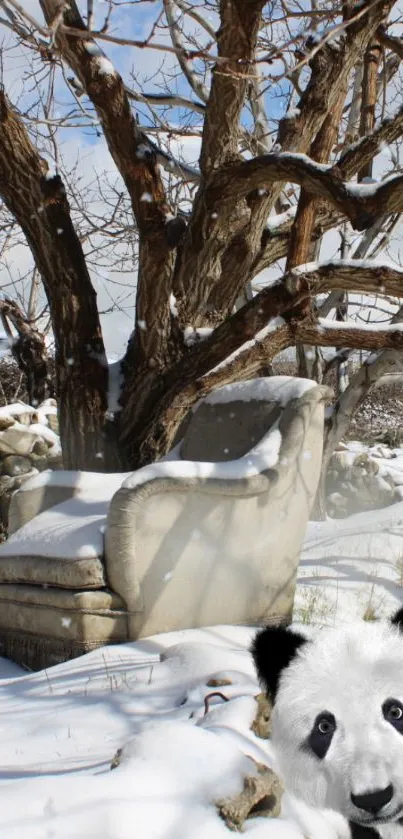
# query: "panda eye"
393,713
325,726
321,734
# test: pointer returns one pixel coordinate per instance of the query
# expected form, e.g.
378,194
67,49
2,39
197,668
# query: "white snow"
55,533
147,197
263,456
281,389
367,188
92,48
304,158
15,409
277,219
46,433
326,323
260,336
115,383
193,336
105,67
172,305
63,726
143,151
349,565
292,113
366,264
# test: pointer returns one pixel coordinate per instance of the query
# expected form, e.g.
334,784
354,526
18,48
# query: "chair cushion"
63,547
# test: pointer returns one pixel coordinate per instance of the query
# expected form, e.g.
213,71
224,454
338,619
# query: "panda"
337,720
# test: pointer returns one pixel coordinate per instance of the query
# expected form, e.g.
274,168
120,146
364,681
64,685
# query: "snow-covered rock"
29,443
358,480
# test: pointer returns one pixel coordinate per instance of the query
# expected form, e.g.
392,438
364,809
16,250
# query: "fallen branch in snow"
210,696
261,796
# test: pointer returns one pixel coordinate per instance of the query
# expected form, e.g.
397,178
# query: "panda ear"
397,620
273,649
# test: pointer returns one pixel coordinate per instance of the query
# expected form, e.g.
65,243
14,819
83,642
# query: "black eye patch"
392,710
321,734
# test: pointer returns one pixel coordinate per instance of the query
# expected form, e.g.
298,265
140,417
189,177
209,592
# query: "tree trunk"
39,204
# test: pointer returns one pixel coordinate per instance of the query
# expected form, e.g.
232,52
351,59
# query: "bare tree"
269,185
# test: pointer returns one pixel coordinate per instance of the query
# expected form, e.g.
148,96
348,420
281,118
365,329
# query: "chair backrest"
228,423
221,432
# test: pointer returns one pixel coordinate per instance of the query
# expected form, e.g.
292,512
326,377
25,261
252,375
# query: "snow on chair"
209,535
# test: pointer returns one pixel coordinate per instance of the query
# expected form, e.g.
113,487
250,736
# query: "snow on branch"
325,333
276,238
173,100
171,164
354,275
191,76
360,203
367,147
269,323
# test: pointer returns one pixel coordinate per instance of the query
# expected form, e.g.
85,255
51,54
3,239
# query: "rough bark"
148,353
39,204
29,351
369,96
301,246
137,164
236,42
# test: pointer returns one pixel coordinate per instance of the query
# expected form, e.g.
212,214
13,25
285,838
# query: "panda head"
338,716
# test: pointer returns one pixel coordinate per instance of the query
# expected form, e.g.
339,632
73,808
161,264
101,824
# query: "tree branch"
391,42
173,100
361,206
353,276
236,43
365,149
176,36
135,160
324,334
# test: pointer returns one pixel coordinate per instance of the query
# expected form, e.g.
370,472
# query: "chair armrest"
49,488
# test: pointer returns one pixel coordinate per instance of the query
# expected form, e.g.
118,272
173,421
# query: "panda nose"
372,802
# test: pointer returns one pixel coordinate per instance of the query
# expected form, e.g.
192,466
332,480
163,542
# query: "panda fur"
337,720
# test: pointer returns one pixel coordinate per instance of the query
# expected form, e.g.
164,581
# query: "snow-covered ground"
62,727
